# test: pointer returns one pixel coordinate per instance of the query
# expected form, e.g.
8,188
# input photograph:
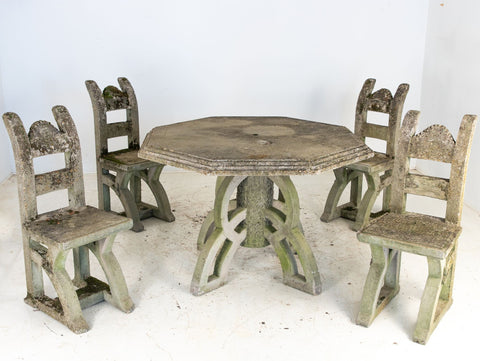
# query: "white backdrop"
451,77
188,59
5,150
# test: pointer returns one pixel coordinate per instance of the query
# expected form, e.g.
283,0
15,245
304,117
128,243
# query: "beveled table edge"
257,167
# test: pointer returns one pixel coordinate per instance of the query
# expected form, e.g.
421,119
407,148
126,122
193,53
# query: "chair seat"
378,163
412,232
126,160
76,227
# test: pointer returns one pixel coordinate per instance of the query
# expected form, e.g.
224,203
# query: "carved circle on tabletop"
269,131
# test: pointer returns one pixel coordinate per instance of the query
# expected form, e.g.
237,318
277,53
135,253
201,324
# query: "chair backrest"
380,101
44,139
434,143
112,98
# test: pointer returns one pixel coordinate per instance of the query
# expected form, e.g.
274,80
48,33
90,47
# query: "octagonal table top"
266,145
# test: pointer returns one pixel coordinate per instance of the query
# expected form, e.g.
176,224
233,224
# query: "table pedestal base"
255,220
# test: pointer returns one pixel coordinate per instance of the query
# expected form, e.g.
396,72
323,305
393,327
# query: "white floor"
254,316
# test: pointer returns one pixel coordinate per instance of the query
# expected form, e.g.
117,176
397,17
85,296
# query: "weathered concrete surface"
434,237
251,154
377,170
122,170
253,146
49,238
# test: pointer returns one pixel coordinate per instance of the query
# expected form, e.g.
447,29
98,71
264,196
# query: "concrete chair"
433,237
377,170
122,170
48,238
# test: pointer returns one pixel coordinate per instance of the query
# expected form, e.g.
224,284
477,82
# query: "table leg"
255,194
229,227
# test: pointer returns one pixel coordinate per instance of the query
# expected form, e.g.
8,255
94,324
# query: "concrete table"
251,155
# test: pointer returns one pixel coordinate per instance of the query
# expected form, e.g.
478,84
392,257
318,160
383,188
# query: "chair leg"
118,295
136,188
81,264
35,280
331,210
368,200
33,270
163,210
382,283
356,190
103,190
128,200
437,296
71,312
66,308
387,193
